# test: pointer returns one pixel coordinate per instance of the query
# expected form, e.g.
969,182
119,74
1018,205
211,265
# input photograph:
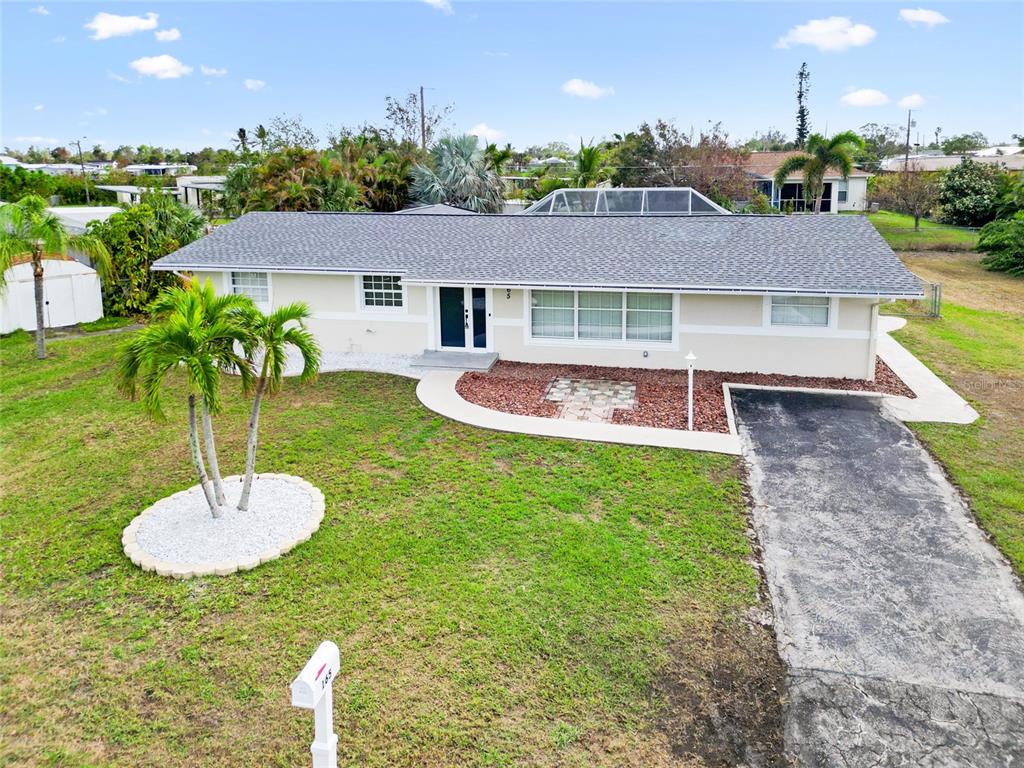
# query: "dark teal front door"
453,317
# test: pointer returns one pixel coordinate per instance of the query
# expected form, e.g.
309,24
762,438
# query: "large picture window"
601,315
251,284
800,310
382,291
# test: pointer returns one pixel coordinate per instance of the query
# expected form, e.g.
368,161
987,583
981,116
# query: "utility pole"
906,155
81,163
423,122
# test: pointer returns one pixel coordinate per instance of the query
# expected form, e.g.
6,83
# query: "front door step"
464,361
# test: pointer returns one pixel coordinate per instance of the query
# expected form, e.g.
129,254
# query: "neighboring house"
71,292
130,194
776,294
193,190
160,169
76,218
840,194
929,162
625,201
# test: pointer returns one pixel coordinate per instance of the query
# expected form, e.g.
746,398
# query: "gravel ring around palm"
178,537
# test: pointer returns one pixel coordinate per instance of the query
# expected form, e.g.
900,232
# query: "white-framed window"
843,187
255,285
553,314
601,315
383,291
800,310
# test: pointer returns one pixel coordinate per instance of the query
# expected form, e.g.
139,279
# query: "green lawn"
978,352
498,599
898,231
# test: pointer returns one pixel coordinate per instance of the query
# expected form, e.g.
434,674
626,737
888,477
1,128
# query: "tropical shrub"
1002,242
459,175
135,238
968,194
759,203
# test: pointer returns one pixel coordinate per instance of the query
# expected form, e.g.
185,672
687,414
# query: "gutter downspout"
873,338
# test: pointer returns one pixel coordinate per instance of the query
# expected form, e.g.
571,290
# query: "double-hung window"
382,291
255,285
601,315
800,310
844,187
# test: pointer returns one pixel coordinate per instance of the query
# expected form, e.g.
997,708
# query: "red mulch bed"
661,393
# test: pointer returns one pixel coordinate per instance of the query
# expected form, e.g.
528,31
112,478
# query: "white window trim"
229,288
620,343
370,309
809,330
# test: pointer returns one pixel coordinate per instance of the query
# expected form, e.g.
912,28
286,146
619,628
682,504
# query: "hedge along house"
774,294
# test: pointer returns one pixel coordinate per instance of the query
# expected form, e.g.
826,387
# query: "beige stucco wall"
725,332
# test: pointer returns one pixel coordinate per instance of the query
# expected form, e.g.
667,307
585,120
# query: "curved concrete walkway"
935,400
436,391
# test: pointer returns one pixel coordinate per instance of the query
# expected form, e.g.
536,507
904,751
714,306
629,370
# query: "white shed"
71,292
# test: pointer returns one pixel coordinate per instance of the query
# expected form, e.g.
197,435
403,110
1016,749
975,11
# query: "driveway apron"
902,627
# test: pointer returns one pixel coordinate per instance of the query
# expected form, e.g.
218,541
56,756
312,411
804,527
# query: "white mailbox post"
312,690
690,360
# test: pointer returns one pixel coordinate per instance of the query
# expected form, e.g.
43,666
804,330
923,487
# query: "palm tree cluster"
462,174
358,173
28,230
821,154
201,335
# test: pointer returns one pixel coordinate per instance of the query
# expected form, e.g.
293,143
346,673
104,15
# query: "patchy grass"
106,324
898,230
498,599
965,282
977,351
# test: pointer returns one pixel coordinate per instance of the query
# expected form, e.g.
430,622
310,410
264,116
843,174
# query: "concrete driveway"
901,626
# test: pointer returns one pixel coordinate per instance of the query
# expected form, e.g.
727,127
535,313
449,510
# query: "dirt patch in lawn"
521,388
723,693
964,282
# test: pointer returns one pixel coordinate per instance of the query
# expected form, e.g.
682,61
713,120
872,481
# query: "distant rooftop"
625,201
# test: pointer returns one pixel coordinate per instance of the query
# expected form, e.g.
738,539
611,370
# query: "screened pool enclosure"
626,201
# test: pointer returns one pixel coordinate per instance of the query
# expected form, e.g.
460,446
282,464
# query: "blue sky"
189,74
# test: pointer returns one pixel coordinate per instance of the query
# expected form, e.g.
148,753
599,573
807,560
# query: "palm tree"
29,229
589,162
269,337
263,137
498,158
459,176
821,154
173,219
195,332
242,142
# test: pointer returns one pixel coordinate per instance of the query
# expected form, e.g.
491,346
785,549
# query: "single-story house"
849,194
131,194
775,294
928,163
159,169
193,190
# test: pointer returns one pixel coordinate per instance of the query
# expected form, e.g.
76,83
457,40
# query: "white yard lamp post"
312,690
690,359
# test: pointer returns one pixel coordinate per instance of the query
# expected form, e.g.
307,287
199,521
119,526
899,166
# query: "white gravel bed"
178,536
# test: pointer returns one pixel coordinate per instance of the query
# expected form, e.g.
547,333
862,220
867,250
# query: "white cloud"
206,131
836,33
915,16
497,54
35,140
168,35
163,67
118,78
107,25
913,101
865,97
58,39
38,108
98,112
485,132
41,10
442,5
253,85
586,89
212,71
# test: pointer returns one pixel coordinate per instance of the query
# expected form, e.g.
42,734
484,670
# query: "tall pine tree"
803,125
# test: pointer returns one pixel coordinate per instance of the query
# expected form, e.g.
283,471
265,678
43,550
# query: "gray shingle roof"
806,253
